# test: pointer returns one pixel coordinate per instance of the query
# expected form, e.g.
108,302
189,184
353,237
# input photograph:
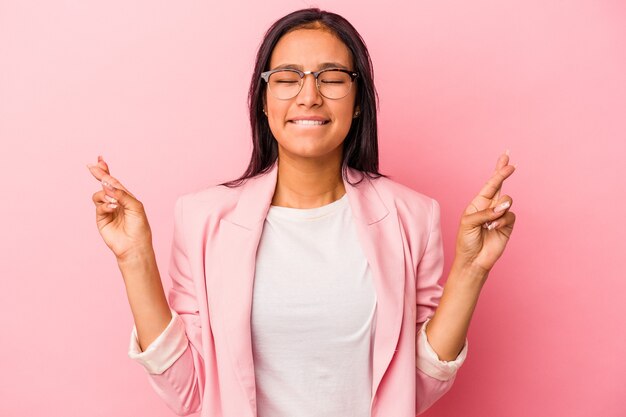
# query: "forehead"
308,48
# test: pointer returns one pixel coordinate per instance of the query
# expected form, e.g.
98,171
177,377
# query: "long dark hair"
360,147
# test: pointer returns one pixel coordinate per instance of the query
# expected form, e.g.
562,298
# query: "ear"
357,112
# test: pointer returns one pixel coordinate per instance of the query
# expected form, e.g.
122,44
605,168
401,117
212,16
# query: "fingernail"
112,206
507,152
110,199
109,186
501,207
492,225
90,166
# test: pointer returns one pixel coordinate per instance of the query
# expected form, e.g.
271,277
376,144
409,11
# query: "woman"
305,288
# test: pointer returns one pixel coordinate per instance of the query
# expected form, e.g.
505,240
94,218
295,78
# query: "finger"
109,179
490,193
100,169
101,173
114,184
97,171
504,223
485,216
104,209
124,198
503,160
103,164
100,197
104,204
494,183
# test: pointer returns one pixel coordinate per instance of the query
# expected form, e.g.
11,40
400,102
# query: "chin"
312,151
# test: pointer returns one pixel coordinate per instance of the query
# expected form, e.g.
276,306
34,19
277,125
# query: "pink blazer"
203,359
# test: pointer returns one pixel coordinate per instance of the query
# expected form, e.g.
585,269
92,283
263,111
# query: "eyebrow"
321,66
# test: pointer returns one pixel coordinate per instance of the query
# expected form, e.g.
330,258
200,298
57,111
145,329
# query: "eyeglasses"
286,83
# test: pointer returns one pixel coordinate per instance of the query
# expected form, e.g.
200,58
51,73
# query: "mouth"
304,122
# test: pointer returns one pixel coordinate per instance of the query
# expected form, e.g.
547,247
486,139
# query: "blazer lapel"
379,234
239,237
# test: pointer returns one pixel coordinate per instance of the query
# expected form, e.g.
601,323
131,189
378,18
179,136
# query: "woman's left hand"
487,222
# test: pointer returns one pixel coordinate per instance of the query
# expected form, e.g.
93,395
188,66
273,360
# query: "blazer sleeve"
433,377
173,361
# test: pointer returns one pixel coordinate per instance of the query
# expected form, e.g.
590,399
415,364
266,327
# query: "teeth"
308,122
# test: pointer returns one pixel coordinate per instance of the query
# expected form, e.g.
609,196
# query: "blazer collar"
257,193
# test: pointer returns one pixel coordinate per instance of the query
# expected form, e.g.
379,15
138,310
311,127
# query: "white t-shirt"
313,315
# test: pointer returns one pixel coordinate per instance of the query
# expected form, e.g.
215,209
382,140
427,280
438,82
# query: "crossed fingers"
101,172
489,194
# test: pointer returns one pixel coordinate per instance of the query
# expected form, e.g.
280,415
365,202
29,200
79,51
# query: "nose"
309,94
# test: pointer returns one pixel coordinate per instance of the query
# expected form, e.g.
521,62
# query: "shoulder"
405,199
215,200
418,214
211,195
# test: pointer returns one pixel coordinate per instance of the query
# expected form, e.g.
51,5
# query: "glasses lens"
334,84
284,84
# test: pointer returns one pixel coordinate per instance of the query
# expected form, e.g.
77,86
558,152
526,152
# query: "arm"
174,359
149,307
166,342
434,377
447,330
486,226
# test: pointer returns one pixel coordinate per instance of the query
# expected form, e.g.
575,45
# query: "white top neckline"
308,213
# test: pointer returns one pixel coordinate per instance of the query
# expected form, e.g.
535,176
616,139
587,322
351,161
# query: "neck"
308,183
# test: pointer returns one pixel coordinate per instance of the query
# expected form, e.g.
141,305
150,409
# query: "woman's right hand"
121,218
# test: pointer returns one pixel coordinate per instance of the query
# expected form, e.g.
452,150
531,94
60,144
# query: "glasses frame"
266,77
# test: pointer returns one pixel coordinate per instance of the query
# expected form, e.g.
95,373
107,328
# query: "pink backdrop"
159,89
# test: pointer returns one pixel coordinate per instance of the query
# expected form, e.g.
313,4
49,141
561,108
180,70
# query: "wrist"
136,257
468,272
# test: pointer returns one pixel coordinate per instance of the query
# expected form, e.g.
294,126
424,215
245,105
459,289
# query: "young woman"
310,285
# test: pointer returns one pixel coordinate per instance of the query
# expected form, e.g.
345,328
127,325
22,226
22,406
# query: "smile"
309,122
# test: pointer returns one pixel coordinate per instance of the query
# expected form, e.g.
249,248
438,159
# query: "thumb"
108,178
480,218
124,198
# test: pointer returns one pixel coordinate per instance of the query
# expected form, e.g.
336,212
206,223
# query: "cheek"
344,116
275,114
276,108
276,120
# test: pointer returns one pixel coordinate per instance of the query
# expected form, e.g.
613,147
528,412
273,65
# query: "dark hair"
360,147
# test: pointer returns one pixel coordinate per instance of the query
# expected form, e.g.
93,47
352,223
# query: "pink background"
159,89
